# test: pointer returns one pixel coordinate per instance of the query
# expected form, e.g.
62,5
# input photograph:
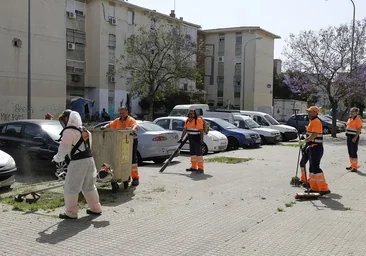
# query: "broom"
295,181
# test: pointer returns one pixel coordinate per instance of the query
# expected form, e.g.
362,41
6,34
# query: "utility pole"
29,105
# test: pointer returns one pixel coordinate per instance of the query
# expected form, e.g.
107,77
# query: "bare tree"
157,58
320,63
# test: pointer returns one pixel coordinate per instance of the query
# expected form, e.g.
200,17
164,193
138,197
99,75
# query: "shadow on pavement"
172,163
109,198
193,176
69,228
332,204
361,174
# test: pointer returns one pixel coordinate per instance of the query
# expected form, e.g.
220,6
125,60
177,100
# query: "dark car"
32,144
300,121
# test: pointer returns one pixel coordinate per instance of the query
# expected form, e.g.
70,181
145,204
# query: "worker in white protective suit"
81,172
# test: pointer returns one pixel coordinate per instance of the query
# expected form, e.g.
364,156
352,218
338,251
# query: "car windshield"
225,124
271,120
150,127
251,123
179,112
53,130
324,118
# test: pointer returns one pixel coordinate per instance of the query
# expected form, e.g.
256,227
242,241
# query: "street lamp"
29,106
245,47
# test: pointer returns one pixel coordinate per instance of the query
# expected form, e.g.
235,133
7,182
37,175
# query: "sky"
281,17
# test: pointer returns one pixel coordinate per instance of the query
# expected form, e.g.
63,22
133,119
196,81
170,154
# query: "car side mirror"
39,139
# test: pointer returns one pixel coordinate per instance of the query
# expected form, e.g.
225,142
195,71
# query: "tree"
320,64
157,58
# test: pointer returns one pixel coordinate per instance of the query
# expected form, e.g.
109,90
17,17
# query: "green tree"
156,58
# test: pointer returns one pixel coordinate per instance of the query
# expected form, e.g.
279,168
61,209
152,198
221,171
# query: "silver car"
7,170
155,143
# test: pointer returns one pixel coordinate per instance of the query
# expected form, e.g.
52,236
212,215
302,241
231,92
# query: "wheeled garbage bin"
114,147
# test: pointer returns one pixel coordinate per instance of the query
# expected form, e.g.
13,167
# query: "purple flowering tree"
319,62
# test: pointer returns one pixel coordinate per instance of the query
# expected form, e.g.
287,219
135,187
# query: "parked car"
214,141
300,121
287,132
32,144
7,170
268,136
343,125
155,143
236,137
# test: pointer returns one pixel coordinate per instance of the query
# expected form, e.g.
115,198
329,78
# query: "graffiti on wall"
16,110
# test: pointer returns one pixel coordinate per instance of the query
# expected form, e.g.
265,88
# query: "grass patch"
290,204
159,189
228,160
280,209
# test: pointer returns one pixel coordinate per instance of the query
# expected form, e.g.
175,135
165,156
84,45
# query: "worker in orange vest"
354,126
123,122
314,142
194,128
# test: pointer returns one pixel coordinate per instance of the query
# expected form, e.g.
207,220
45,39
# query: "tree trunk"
150,116
334,119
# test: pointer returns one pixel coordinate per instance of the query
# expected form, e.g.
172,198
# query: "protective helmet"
105,174
192,111
63,116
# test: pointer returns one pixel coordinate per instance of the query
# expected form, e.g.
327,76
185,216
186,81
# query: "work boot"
66,217
135,182
349,168
191,170
88,211
322,193
200,171
353,170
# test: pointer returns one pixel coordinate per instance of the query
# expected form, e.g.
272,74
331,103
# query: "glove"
302,143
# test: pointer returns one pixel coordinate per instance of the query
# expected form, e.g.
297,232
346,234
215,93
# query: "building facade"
48,58
239,68
74,44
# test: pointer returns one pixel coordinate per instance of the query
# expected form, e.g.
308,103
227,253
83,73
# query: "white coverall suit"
81,173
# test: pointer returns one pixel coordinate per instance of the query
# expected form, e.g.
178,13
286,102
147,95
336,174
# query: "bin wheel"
115,187
125,184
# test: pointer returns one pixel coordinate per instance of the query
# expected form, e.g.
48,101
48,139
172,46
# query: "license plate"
257,140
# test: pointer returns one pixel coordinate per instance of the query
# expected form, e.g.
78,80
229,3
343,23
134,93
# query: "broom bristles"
307,196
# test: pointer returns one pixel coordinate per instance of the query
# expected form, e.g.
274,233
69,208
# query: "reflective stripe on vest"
351,131
318,139
193,131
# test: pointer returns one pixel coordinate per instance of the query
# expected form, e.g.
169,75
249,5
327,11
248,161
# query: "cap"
314,109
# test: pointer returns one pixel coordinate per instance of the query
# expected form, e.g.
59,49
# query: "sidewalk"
231,210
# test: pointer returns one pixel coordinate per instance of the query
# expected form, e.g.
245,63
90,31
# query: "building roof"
240,29
158,13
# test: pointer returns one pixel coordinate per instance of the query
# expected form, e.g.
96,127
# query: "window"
31,131
220,89
178,125
237,91
185,87
75,36
111,56
165,123
260,120
151,127
13,130
220,69
131,17
2,129
111,10
221,45
302,118
112,41
111,69
238,44
273,121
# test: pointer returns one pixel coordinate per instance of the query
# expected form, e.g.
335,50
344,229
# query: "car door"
178,126
35,144
11,141
261,121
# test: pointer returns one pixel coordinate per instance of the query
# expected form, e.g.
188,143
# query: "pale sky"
280,17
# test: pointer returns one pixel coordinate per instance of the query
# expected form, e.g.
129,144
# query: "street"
233,209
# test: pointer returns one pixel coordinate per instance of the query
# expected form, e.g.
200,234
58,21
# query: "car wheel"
61,169
233,144
159,160
263,140
139,159
326,130
204,149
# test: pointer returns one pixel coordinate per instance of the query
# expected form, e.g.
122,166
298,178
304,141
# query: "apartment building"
48,58
239,67
74,44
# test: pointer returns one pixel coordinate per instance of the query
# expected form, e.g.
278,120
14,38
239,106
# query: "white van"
265,120
268,135
202,110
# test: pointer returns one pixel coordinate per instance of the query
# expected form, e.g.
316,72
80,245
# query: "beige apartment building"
240,57
48,58
74,44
